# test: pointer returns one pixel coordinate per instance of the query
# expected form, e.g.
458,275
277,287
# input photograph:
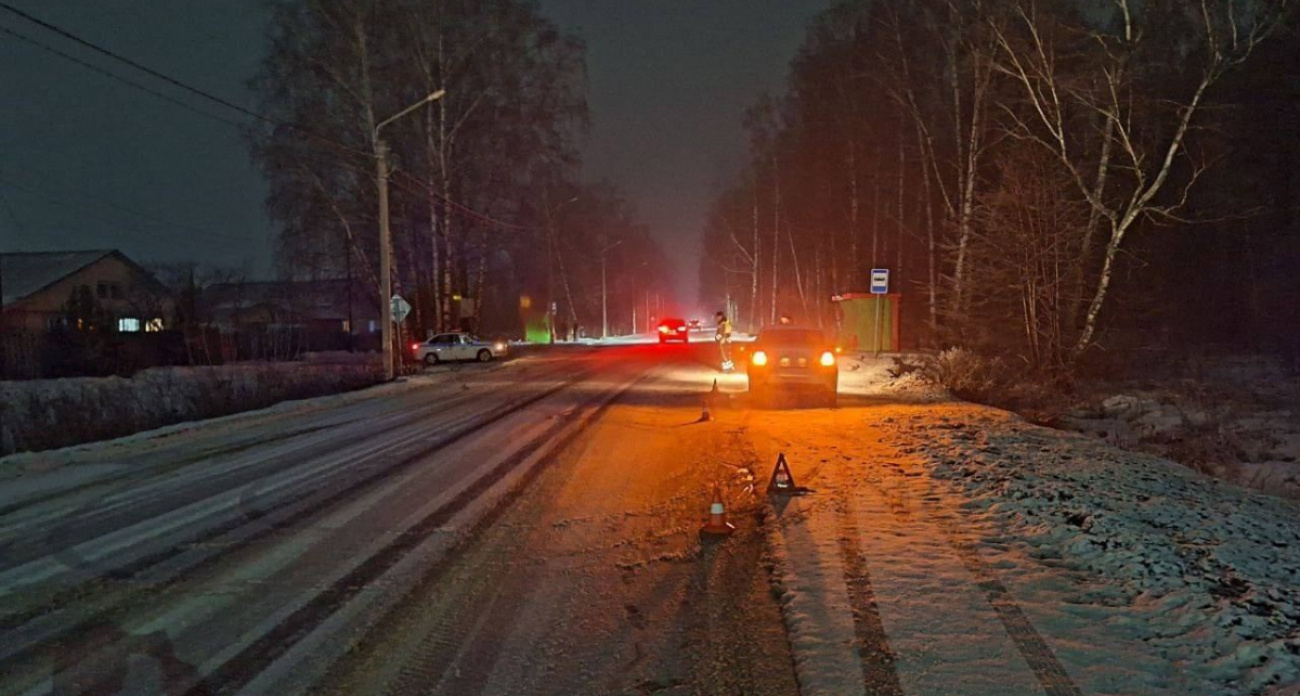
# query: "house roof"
23,274
319,299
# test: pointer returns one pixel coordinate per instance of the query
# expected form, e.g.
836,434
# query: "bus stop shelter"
869,322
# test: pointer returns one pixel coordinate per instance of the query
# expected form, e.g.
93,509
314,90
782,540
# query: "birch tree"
1143,170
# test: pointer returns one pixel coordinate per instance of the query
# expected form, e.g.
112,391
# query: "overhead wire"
330,143
113,76
85,201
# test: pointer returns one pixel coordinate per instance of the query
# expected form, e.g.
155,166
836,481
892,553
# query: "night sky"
89,162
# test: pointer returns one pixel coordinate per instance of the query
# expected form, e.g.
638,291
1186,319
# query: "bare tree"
1144,138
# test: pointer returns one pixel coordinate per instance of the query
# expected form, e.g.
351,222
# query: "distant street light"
385,236
604,293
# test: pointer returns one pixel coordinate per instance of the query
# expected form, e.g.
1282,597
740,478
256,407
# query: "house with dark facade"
305,315
38,291
75,313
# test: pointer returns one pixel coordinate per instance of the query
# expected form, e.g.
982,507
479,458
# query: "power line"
147,217
337,147
127,61
114,76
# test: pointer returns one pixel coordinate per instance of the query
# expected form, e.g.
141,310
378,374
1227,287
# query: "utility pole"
385,235
347,262
604,293
385,259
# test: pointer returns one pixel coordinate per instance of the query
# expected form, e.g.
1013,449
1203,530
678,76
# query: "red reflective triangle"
782,480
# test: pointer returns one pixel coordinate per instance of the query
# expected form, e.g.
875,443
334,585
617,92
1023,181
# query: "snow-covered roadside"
43,414
862,374
181,420
1204,572
1233,418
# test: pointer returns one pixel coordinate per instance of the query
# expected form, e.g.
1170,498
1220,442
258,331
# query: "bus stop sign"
880,281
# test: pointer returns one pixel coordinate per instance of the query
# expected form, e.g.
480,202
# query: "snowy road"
531,528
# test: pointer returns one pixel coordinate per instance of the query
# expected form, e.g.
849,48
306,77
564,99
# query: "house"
37,291
327,314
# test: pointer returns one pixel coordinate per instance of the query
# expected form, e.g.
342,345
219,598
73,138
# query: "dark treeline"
486,205
1044,178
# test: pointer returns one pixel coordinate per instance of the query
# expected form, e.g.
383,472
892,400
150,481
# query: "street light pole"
385,259
604,293
385,235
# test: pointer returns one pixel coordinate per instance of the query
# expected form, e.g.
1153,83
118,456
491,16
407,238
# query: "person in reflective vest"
723,336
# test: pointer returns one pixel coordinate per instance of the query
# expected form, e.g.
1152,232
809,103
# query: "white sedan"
450,347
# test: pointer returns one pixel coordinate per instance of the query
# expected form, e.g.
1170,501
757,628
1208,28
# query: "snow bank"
43,414
1233,418
861,374
1210,572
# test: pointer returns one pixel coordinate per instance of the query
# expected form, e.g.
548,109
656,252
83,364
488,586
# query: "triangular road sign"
782,480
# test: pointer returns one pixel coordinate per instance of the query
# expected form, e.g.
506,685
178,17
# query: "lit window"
128,325
153,325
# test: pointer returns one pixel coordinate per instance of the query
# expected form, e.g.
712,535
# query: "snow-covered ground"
991,556
42,414
861,374
1236,418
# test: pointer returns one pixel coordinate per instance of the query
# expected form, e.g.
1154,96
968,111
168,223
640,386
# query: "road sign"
879,281
400,308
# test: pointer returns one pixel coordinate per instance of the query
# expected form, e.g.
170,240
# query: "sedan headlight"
500,347
828,359
759,358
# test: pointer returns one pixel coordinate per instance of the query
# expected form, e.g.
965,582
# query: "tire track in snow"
1049,672
1047,669
66,636
450,653
879,673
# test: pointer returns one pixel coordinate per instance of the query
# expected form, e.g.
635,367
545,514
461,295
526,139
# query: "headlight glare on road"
828,359
760,358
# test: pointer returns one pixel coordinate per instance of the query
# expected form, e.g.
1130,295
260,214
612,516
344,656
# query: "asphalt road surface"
530,528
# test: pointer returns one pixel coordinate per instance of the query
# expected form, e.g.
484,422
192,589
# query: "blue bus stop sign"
879,281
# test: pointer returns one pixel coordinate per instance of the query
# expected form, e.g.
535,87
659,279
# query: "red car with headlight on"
786,359
673,330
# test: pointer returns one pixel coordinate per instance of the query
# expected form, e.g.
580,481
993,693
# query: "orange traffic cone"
717,523
715,387
705,416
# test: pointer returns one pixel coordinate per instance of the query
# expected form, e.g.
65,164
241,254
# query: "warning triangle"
782,480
